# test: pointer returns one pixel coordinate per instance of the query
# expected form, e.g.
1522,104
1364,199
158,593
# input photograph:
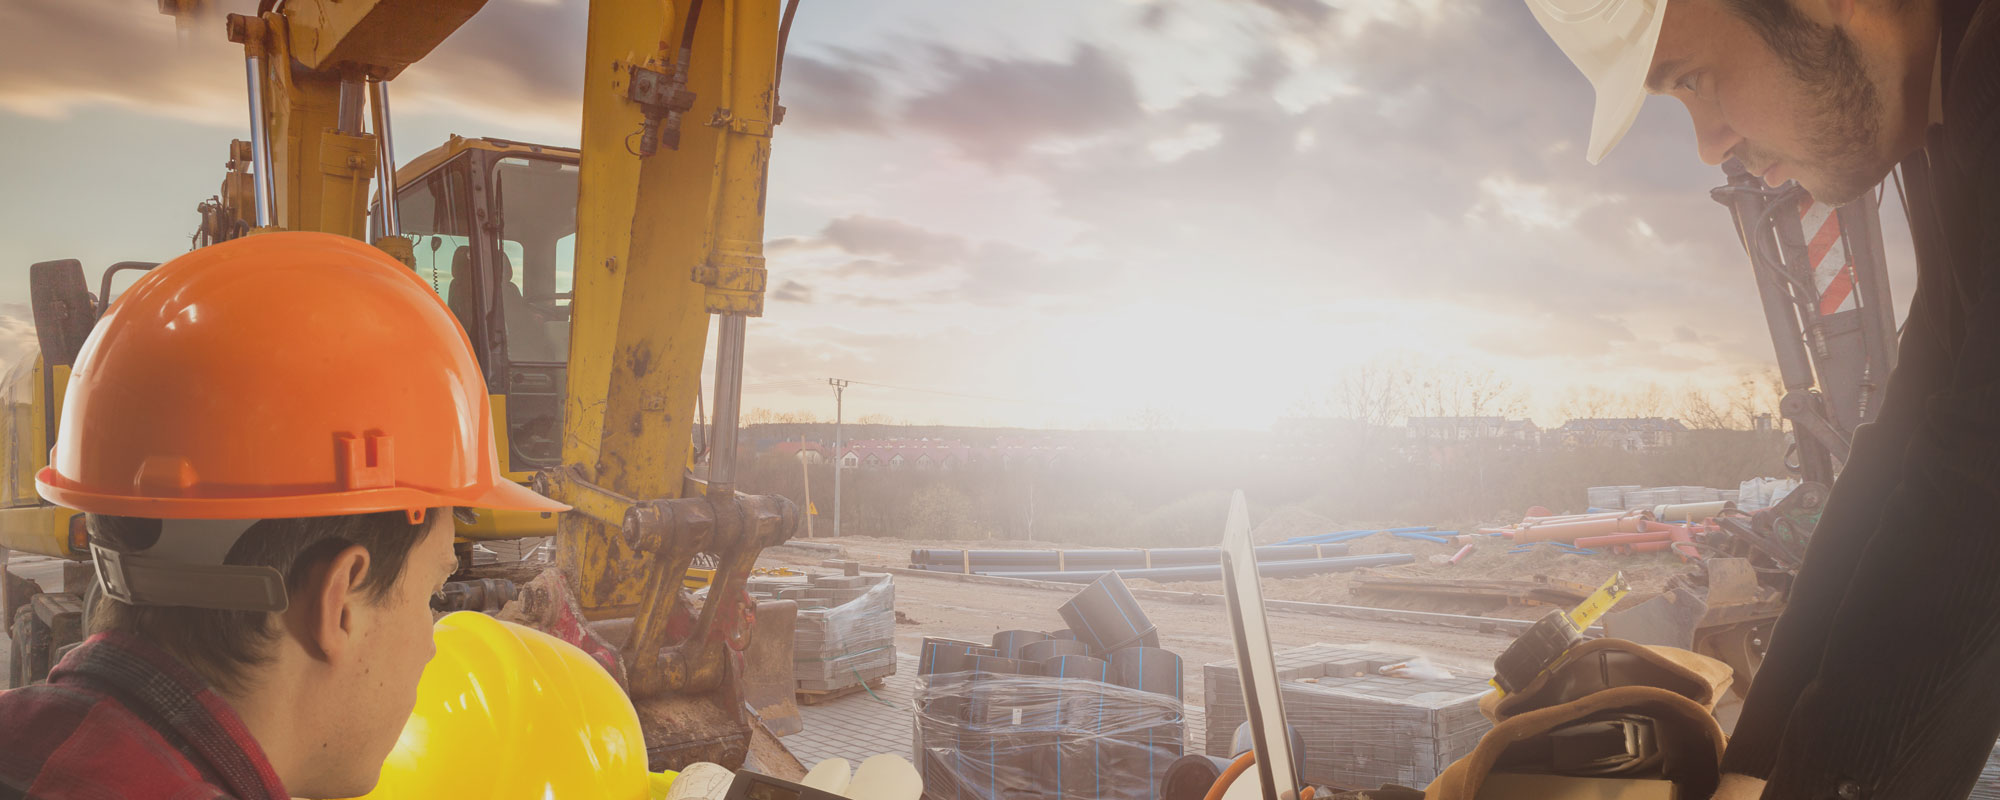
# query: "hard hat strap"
185,568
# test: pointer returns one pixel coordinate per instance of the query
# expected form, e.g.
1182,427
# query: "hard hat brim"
1612,44
503,496
1621,93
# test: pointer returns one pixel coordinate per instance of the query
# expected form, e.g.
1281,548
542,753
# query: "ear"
326,621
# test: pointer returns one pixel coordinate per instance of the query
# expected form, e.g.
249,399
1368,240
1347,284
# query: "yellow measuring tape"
1585,615
1587,612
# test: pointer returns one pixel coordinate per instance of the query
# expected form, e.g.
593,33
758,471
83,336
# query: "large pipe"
1341,536
385,157
348,121
1635,522
1213,572
728,400
262,182
1622,538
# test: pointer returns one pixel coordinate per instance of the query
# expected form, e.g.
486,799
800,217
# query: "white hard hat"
1612,42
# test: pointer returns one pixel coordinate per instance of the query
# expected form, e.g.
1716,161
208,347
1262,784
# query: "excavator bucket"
1669,619
769,686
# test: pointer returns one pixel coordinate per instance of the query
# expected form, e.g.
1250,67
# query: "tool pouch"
1610,710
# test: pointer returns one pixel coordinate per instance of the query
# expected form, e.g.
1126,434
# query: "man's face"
1805,110
394,644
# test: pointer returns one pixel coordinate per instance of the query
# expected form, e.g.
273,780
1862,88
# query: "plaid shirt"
121,719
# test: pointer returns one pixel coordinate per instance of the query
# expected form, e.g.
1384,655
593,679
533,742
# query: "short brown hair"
220,645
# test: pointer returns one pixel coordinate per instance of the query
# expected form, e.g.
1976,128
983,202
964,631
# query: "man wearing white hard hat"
1883,676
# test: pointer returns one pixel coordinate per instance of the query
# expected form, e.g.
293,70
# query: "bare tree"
1757,393
1588,403
1700,411
1376,395
1647,401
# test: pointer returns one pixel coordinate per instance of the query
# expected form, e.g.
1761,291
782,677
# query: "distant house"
948,454
1625,433
1510,432
811,452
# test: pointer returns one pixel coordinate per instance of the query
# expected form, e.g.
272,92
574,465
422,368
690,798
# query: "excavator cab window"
495,235
537,242
434,213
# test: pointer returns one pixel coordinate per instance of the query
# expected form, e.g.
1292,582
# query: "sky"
1043,213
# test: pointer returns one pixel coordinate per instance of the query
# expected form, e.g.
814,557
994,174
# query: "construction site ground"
939,605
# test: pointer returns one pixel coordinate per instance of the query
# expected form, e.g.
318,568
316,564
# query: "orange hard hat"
272,376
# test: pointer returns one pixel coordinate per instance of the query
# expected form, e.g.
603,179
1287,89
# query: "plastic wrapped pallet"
1606,496
849,643
1362,729
992,736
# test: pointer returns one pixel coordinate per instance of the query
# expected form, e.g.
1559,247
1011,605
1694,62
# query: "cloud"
951,268
517,62
865,235
831,95
995,108
792,292
1299,12
63,55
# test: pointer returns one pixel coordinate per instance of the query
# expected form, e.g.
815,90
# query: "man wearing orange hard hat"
267,437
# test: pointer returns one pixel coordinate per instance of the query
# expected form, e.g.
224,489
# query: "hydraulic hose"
1236,769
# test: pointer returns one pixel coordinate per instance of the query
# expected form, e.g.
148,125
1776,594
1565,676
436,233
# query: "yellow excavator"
586,280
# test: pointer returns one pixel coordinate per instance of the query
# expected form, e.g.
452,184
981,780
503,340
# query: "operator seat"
528,336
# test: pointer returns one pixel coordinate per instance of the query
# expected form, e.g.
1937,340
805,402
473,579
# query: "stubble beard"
1843,159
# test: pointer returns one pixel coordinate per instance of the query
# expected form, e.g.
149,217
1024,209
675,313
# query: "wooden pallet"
813,697
1540,591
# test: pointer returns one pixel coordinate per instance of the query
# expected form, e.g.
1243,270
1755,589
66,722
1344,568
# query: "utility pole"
839,457
805,476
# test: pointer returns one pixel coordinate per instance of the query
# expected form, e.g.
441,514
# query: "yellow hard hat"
505,711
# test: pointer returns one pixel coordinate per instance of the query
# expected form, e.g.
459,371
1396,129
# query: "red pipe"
1461,553
1575,517
1683,543
1622,538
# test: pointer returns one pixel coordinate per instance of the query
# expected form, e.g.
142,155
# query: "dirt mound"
1488,561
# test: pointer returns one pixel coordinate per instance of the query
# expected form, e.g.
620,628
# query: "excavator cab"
493,225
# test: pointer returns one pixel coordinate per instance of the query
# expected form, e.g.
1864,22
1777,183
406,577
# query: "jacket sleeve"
1900,700
1851,519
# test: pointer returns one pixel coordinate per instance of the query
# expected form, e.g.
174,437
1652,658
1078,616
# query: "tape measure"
1545,642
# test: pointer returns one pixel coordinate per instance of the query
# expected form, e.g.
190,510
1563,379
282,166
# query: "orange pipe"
1622,538
1574,517
1571,531
1683,542
1228,776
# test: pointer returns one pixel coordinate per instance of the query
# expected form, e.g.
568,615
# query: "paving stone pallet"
1361,729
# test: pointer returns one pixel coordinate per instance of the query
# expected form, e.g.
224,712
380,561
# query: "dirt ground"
1489,560
1199,633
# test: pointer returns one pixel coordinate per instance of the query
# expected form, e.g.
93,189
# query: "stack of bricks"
1361,729
846,631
